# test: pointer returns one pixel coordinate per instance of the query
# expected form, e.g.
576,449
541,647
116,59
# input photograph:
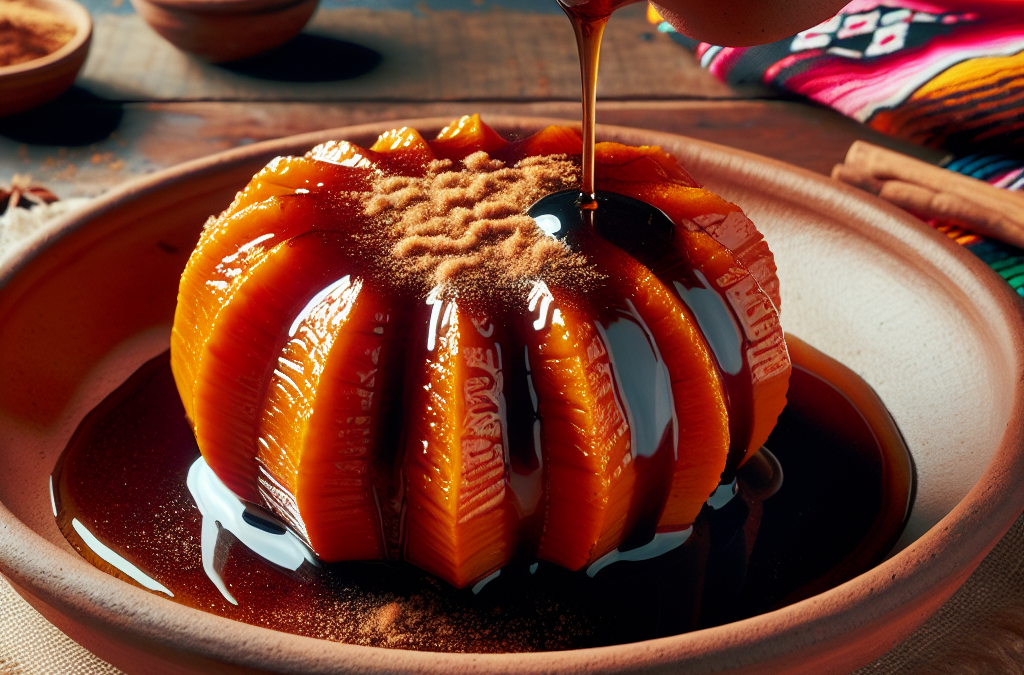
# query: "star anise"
22,193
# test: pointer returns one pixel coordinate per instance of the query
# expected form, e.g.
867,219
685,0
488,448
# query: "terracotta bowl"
26,85
930,327
226,30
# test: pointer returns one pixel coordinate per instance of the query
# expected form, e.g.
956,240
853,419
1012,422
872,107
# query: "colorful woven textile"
944,73
1001,171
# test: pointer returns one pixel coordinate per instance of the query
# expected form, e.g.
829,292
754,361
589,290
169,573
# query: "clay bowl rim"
938,562
78,15
225,7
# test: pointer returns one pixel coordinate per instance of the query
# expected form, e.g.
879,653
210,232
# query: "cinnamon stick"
943,206
851,175
884,164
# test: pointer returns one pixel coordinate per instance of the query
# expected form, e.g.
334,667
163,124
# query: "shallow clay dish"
26,85
930,327
226,30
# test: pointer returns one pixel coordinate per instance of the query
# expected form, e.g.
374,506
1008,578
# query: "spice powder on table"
28,32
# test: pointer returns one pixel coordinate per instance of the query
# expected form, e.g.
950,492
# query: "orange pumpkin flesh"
457,510
377,425
323,416
246,338
288,175
587,456
727,248
547,141
466,136
700,409
405,151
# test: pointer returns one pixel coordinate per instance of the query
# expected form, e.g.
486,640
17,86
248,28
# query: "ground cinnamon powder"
463,225
28,33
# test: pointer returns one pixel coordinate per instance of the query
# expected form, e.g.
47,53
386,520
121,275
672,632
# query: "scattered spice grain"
464,225
28,33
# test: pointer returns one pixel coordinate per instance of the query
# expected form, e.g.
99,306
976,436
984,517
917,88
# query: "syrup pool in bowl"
828,501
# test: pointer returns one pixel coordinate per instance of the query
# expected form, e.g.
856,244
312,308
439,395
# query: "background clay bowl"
226,30
931,328
26,85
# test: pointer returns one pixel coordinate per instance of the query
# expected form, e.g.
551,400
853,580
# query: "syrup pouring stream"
589,19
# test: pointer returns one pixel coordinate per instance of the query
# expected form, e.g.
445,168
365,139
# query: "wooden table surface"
140,105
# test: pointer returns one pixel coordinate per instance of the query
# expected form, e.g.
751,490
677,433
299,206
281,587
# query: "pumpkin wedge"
458,519
322,422
241,352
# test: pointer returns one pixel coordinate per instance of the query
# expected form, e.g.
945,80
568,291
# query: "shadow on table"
74,118
309,58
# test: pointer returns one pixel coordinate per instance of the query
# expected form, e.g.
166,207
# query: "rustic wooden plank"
808,136
425,55
156,135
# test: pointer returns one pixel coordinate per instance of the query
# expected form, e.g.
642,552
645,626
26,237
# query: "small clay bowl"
930,327
226,30
27,85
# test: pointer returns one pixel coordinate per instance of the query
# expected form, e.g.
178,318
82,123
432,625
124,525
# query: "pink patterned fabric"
948,73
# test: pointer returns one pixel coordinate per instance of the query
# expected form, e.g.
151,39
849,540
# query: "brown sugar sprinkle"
28,33
464,226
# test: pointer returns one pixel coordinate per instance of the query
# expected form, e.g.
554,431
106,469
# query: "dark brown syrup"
846,494
646,233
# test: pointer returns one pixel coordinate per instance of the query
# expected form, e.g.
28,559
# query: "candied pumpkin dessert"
384,349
